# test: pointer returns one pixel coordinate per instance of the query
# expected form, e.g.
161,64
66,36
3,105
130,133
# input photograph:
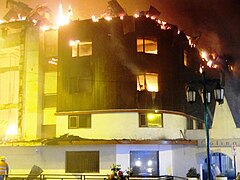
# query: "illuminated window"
82,162
80,121
148,82
144,163
147,45
185,59
81,48
150,120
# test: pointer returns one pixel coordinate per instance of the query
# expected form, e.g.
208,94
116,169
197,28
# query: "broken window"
147,45
81,48
147,82
151,120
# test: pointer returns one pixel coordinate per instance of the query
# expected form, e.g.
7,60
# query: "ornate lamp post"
204,84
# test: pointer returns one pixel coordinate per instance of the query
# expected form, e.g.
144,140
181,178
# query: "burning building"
116,84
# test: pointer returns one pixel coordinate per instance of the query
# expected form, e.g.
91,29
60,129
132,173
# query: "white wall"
124,126
165,156
185,157
52,158
173,159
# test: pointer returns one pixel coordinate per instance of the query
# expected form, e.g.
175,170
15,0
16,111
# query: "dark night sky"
216,21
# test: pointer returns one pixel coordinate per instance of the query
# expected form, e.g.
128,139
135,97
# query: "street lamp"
205,85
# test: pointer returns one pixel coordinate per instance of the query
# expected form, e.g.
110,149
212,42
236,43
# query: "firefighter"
3,168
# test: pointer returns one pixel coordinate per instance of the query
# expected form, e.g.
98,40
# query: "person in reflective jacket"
3,168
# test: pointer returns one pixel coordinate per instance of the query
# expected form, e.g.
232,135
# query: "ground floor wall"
52,159
186,157
173,159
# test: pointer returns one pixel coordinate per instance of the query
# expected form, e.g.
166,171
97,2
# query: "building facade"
107,92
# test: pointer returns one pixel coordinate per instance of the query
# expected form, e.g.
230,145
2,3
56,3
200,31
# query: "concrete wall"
33,90
173,159
52,158
124,126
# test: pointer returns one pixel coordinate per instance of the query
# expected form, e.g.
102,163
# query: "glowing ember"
136,15
204,55
44,28
53,61
209,63
94,19
190,41
108,18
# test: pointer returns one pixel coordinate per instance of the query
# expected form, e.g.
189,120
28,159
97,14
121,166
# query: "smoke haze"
214,22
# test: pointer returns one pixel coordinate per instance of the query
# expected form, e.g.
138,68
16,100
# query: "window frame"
87,118
82,161
146,84
143,154
77,46
146,123
142,48
70,118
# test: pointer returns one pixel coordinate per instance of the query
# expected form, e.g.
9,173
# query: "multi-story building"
110,91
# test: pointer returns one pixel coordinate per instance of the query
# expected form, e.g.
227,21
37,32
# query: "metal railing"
85,177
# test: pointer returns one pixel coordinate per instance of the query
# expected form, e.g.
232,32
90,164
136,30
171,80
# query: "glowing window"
144,163
81,48
185,59
150,120
147,45
148,82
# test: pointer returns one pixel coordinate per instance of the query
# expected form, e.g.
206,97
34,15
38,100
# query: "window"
185,60
51,43
85,121
80,84
223,162
82,162
147,45
148,82
73,122
150,120
80,121
81,48
144,163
